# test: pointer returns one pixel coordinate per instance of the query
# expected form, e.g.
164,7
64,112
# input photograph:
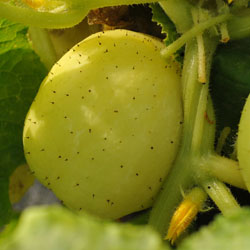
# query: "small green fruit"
105,125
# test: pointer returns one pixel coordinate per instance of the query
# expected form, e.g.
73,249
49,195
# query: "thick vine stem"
194,144
170,196
43,46
201,115
224,169
181,174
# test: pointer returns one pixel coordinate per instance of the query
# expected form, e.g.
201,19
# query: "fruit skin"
104,127
243,143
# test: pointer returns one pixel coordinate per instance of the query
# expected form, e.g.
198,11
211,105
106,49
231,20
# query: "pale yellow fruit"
105,125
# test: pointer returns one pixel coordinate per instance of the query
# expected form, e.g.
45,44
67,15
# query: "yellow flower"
185,213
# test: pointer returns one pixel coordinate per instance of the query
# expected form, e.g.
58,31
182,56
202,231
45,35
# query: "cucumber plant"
243,145
202,25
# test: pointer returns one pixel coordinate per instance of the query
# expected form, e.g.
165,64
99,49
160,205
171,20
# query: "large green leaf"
56,228
231,232
21,73
230,85
230,81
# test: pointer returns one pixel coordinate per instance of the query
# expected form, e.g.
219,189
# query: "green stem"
196,30
171,194
189,86
207,144
221,195
201,49
222,139
201,114
43,46
224,169
224,33
200,119
202,60
180,176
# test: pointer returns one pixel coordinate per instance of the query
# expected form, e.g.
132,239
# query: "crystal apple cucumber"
105,125
243,143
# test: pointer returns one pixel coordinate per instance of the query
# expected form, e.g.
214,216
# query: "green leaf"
21,73
230,85
53,228
167,26
230,81
229,232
